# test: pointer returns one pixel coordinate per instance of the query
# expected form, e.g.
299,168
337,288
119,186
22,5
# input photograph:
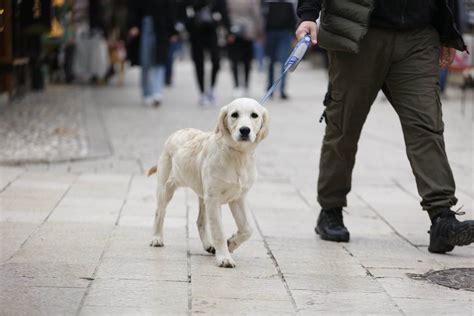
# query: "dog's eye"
235,115
254,115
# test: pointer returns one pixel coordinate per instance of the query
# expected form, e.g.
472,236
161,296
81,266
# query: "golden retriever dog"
220,167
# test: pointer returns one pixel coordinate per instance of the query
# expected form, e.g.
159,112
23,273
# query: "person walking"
397,47
151,29
203,18
246,29
280,23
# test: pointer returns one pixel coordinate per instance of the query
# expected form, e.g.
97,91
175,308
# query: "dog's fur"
220,167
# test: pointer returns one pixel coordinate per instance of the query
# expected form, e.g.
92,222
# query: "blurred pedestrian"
246,28
176,48
397,47
280,17
203,19
151,28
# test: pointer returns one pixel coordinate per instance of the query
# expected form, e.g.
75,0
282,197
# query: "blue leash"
291,63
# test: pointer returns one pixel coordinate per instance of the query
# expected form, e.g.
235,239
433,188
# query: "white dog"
220,168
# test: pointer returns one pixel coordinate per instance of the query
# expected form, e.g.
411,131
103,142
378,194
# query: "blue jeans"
153,75
175,49
277,49
443,78
259,53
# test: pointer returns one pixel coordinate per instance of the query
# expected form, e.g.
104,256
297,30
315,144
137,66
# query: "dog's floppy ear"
263,132
221,127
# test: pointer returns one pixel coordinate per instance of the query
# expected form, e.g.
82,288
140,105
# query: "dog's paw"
226,262
211,249
156,242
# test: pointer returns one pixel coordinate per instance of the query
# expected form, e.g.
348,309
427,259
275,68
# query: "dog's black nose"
244,131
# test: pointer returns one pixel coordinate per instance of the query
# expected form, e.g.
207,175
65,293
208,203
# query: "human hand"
307,27
174,39
446,56
231,39
133,32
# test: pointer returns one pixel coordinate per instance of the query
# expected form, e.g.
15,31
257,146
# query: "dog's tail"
152,170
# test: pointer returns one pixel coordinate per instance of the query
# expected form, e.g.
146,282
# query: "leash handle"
291,63
298,53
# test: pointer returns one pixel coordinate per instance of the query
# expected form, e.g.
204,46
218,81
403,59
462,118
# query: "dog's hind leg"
244,230
164,194
202,228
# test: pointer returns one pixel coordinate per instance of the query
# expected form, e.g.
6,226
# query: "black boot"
446,232
330,225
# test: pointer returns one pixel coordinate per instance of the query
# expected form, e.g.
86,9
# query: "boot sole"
463,236
331,238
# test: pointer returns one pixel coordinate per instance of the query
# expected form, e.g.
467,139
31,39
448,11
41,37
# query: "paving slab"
345,302
270,289
167,296
12,236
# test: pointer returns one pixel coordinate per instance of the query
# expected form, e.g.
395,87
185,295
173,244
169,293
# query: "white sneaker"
211,97
157,99
148,101
238,93
204,100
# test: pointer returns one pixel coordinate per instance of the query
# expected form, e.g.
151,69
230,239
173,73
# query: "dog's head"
244,122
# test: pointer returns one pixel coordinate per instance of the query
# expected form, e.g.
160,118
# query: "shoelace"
452,213
457,212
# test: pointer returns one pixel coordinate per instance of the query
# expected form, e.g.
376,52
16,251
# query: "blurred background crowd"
96,41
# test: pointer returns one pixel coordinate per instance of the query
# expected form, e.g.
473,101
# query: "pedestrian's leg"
355,80
215,58
259,55
197,51
157,80
147,42
247,61
169,63
412,88
270,51
443,78
145,82
235,72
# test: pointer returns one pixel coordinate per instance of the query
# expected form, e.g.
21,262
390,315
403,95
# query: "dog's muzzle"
244,133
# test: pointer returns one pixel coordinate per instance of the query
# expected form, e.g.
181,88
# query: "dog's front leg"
223,258
203,228
244,230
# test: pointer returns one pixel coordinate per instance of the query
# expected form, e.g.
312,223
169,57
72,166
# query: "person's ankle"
437,212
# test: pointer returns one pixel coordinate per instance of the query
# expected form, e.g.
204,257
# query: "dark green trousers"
405,66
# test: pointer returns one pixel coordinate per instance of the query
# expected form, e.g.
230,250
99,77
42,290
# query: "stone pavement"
74,235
